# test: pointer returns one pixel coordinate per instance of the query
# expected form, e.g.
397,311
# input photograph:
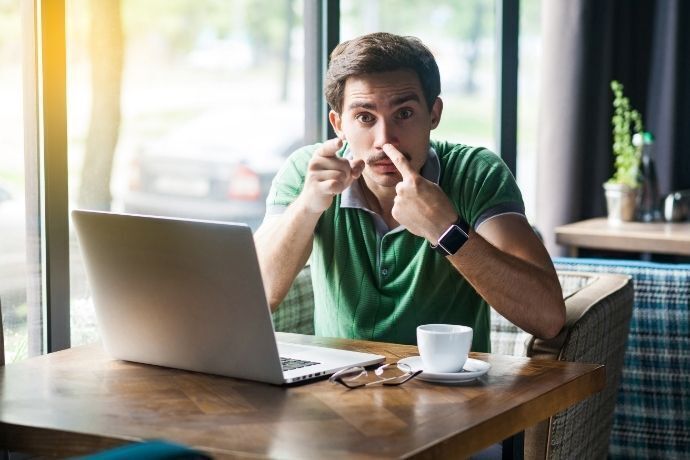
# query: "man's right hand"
328,175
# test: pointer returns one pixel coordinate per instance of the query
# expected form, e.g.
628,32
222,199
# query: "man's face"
386,108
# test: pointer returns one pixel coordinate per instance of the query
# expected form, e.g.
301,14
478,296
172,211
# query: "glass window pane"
184,108
529,73
15,195
462,37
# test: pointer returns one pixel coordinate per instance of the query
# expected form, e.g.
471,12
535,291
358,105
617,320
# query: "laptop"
188,294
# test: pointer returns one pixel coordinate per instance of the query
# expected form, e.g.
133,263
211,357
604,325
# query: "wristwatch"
452,239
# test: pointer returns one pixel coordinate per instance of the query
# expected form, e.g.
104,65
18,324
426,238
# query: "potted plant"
622,189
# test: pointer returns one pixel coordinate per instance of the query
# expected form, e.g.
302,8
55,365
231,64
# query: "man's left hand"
420,205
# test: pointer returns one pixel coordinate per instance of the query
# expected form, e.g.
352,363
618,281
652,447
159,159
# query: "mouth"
380,163
383,167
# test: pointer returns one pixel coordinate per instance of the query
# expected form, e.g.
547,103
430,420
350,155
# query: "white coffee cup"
444,347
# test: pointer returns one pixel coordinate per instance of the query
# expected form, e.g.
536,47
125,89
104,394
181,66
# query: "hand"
328,175
420,205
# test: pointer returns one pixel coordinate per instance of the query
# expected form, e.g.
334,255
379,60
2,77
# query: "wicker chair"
597,324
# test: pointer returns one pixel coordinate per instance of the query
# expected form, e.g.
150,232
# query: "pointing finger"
357,168
399,161
330,147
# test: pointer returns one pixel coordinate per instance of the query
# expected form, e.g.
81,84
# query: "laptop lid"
188,294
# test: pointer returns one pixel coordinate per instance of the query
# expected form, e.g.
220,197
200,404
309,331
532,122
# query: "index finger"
399,161
330,147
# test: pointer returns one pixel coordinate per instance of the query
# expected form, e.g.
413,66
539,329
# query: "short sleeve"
488,188
478,182
289,181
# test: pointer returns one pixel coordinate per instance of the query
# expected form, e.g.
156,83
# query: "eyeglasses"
388,374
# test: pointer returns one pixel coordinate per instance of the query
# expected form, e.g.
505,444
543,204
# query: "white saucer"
472,369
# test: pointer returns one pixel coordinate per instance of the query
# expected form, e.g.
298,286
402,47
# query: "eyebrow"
405,98
361,105
398,100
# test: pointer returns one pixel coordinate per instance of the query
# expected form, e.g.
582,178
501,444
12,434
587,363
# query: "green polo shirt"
375,283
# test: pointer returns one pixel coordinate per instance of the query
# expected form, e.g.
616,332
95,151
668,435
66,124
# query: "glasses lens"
351,373
393,371
388,374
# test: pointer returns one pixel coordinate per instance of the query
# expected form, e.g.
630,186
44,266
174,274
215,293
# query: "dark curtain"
588,43
668,98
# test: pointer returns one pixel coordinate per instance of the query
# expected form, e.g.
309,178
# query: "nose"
386,133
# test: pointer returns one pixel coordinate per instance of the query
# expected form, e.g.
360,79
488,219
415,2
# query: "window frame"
53,184
321,36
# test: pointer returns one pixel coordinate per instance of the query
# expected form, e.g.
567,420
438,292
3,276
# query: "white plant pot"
621,202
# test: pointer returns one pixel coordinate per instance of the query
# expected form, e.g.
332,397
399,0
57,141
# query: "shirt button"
384,271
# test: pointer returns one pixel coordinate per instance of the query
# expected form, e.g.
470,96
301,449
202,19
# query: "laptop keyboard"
290,363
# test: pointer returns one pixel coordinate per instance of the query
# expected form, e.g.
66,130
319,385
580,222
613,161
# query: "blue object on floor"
150,450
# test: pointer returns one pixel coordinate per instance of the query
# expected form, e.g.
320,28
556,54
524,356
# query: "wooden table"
656,237
79,401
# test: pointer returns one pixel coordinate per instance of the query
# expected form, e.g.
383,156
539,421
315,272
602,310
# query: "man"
402,230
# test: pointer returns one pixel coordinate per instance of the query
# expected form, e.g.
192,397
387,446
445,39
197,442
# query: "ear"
336,123
436,111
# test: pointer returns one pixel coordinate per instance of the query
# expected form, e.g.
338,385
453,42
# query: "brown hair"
380,52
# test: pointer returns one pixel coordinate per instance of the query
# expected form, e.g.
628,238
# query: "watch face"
452,240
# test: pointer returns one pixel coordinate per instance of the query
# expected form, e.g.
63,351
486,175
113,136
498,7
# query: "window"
462,37
528,101
183,109
188,108
20,269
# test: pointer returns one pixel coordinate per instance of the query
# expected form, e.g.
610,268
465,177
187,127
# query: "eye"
364,117
404,114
